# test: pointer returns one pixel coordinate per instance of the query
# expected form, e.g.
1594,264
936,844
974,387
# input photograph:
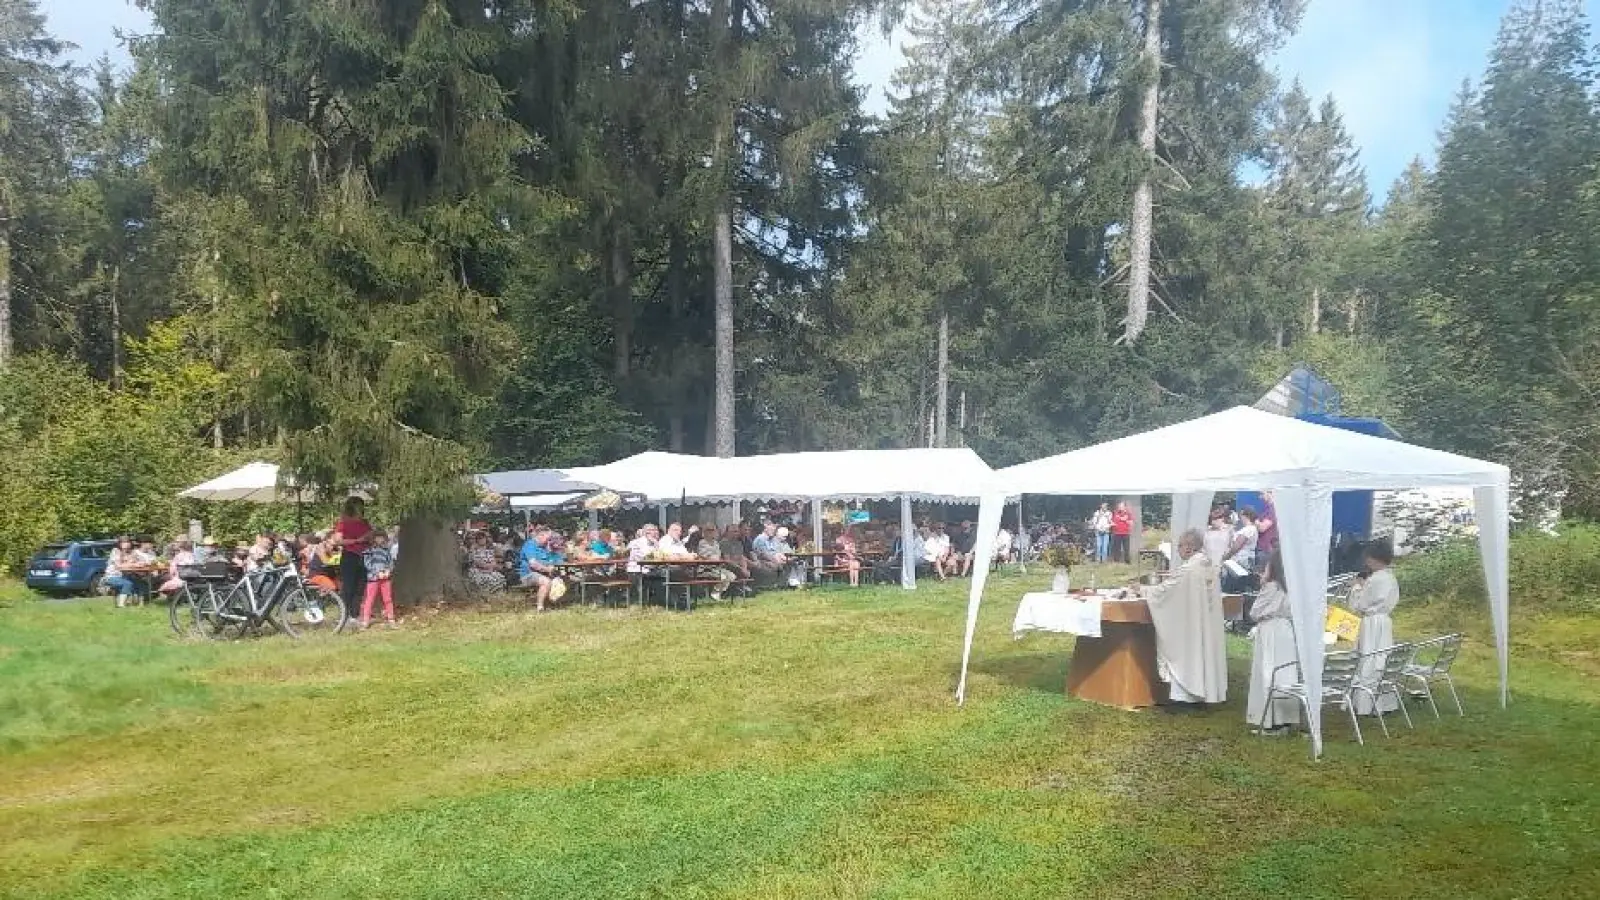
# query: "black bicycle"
273,596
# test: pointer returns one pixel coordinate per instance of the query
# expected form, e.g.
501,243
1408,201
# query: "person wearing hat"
206,552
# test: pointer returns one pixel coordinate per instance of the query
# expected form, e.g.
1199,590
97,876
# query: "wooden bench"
688,585
840,571
607,586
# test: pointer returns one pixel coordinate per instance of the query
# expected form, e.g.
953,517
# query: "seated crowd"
351,559
737,558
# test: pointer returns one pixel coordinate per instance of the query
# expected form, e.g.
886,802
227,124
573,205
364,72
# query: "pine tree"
41,114
1510,257
1315,202
361,168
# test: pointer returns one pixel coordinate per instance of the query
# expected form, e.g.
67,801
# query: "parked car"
73,567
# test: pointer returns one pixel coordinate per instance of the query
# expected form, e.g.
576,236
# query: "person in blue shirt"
536,565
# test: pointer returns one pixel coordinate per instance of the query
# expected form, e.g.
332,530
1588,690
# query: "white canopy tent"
949,475
255,482
1303,464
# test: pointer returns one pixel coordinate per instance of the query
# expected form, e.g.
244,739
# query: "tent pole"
908,562
1136,533
594,519
816,539
661,515
1017,541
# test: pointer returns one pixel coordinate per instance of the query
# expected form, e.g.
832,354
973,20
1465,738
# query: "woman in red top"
352,529
1121,528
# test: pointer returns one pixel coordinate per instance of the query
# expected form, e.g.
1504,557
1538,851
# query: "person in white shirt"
671,544
1243,548
1002,545
1219,537
642,545
936,551
1101,523
918,544
1241,553
795,570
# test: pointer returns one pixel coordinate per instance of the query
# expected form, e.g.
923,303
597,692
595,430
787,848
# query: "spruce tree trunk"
621,289
675,431
726,33
724,333
5,283
116,329
1316,310
1142,224
942,413
430,565
216,362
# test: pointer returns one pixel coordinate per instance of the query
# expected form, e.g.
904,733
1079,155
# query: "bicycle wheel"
212,615
311,612
180,612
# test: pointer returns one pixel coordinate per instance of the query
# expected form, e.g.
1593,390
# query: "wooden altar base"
1118,668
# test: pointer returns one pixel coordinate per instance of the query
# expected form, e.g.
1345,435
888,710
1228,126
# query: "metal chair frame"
1440,654
1390,676
1339,670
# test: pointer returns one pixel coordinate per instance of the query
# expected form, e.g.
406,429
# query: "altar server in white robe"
1273,646
1191,652
1374,598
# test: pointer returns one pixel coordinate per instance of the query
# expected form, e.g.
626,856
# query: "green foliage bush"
1560,569
79,460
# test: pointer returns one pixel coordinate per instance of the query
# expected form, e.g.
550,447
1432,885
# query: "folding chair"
1339,670
1430,662
1339,586
1390,675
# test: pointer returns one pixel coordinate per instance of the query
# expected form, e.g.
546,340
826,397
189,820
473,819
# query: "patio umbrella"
255,482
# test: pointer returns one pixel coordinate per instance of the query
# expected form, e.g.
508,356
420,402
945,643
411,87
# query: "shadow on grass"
1043,670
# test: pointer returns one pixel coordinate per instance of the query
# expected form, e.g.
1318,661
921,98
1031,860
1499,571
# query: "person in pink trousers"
379,563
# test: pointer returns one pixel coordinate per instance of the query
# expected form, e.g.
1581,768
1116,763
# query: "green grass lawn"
803,745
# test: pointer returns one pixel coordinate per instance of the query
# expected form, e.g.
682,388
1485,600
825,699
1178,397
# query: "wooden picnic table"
866,557
666,569
583,571
146,575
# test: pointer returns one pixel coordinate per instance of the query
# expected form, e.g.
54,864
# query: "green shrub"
1546,569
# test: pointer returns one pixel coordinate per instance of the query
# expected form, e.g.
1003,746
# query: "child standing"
379,563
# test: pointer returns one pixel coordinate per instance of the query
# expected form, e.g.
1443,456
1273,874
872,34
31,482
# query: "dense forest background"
399,240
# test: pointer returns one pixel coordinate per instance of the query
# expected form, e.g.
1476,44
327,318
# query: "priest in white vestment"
1191,651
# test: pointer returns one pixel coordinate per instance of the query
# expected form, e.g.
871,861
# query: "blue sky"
1391,65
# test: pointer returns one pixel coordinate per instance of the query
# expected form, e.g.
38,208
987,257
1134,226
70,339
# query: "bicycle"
199,586
271,596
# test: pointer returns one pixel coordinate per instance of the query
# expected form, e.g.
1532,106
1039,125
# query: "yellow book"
1343,623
